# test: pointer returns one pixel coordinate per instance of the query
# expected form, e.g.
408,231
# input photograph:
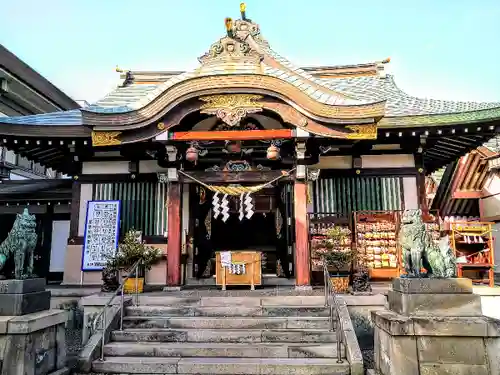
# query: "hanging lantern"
192,154
273,152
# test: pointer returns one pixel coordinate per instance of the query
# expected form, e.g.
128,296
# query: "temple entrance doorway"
269,230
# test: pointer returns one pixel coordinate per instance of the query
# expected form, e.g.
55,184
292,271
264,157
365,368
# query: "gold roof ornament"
236,49
228,21
243,8
368,131
231,108
118,69
105,138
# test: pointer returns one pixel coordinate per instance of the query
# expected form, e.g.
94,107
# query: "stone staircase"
224,335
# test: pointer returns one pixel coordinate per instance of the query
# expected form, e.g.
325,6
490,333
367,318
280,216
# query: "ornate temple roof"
245,52
374,88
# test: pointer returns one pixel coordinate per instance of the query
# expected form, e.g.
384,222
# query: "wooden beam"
75,209
174,235
240,135
302,251
233,177
455,181
471,194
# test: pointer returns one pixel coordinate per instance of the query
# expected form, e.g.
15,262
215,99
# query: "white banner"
102,227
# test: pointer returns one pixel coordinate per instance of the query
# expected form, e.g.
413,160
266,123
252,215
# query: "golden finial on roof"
229,26
243,8
386,61
118,69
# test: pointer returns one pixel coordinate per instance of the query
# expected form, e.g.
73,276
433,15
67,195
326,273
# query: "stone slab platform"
214,365
21,304
401,325
432,286
435,304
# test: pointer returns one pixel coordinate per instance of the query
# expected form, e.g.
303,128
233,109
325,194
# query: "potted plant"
130,250
335,251
361,279
110,272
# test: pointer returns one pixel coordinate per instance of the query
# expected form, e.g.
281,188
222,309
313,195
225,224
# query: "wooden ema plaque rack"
376,236
253,270
472,243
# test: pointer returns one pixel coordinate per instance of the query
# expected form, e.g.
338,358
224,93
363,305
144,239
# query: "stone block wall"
33,344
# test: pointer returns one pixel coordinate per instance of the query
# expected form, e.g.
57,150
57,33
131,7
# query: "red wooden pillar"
302,254
174,235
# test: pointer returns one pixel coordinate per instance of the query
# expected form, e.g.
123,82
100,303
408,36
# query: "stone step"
226,311
195,349
261,322
267,280
224,335
216,365
163,299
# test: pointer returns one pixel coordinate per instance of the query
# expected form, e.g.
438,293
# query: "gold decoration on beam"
231,108
161,126
362,131
100,139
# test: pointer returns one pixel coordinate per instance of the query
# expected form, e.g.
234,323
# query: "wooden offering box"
252,276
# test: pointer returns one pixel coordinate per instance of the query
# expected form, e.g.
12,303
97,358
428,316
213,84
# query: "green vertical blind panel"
346,194
143,205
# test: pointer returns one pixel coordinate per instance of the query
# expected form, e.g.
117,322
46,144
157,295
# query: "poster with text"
102,228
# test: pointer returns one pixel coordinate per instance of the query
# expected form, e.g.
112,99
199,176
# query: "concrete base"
20,297
21,304
435,327
32,337
435,304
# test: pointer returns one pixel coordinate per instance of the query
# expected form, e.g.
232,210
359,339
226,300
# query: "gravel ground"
73,341
368,361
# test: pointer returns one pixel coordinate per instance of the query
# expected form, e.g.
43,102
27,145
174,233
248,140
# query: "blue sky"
447,49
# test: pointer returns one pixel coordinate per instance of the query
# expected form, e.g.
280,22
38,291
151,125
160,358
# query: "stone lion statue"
419,251
20,244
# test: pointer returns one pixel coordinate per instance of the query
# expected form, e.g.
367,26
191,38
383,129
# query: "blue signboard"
102,227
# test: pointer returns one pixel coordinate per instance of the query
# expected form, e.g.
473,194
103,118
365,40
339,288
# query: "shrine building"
241,151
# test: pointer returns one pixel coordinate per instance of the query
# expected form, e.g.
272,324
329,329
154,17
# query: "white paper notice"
101,234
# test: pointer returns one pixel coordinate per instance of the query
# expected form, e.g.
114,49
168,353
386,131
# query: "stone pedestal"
32,337
435,327
20,297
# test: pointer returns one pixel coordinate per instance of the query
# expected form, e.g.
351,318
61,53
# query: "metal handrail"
330,296
102,315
